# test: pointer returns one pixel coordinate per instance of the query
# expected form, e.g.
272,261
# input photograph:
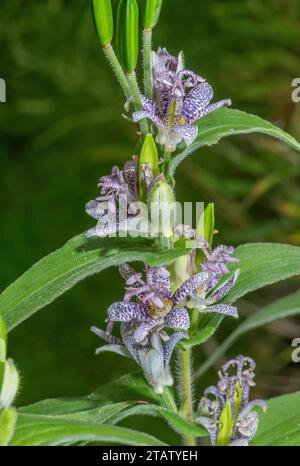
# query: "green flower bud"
206,225
228,417
8,419
103,20
152,13
205,229
10,384
148,156
3,343
128,34
162,208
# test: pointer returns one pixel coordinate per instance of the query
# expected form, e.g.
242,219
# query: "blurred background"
61,130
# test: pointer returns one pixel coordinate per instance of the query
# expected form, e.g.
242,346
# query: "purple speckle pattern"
236,377
180,98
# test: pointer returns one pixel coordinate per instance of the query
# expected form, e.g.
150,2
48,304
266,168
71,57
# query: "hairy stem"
147,40
186,409
181,157
131,77
121,77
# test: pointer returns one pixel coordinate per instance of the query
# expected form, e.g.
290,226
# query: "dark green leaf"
45,430
77,259
280,425
229,122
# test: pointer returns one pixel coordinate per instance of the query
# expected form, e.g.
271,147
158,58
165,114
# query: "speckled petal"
224,289
143,329
189,287
239,443
102,230
131,176
127,312
178,319
170,345
211,427
159,278
129,342
187,132
211,108
224,309
196,100
106,336
96,209
140,115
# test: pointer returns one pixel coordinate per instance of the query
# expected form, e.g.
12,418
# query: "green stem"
186,409
166,162
169,400
114,62
131,77
147,40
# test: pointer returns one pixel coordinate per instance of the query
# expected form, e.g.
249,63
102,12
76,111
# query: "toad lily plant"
183,283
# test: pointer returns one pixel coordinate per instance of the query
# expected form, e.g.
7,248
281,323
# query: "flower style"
180,98
225,409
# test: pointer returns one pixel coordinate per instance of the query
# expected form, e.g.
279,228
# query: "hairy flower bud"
163,208
10,384
148,160
103,20
3,340
8,418
152,13
128,34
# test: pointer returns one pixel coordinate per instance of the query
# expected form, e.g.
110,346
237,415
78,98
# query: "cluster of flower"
154,313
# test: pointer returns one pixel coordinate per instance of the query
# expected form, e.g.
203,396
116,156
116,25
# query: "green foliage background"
61,130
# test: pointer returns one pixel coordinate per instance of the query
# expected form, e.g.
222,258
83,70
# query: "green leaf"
228,122
280,425
262,264
206,329
175,421
46,431
77,259
282,308
110,404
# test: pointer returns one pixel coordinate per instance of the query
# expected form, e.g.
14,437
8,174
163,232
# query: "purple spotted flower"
225,409
205,297
118,204
216,260
180,98
143,321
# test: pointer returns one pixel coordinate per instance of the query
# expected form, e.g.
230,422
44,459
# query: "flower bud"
8,418
10,384
128,34
206,225
103,20
205,229
163,208
3,343
148,158
228,417
152,13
